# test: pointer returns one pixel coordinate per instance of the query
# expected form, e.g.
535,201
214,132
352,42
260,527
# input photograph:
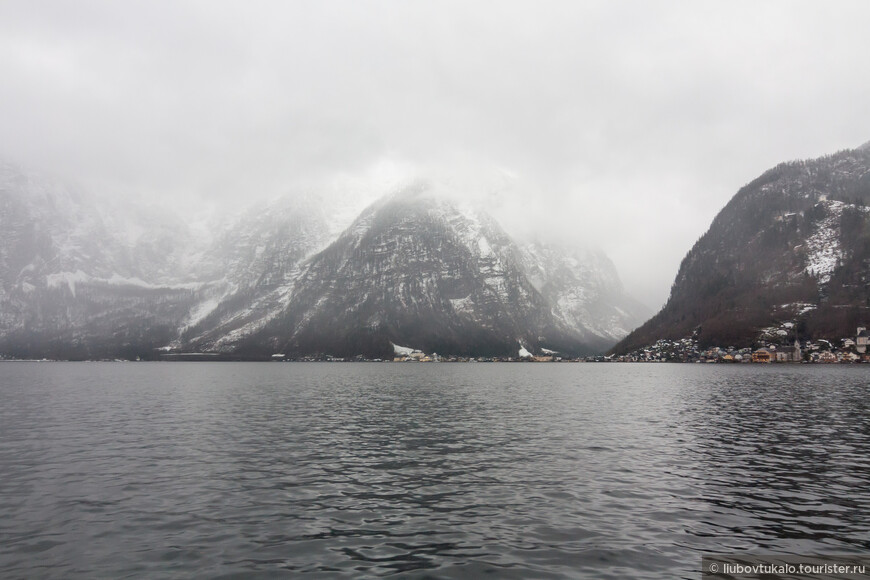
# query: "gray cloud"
628,123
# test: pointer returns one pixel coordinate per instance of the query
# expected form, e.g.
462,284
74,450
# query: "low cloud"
629,124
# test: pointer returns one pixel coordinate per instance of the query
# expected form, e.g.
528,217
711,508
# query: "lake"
323,470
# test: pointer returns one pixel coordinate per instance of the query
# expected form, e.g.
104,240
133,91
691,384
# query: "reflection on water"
450,470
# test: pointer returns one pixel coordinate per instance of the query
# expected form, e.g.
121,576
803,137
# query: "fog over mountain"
624,125
422,266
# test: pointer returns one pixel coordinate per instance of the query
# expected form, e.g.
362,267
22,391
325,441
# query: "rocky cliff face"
794,244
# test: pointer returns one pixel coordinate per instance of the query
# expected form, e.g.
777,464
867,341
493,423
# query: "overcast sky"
627,123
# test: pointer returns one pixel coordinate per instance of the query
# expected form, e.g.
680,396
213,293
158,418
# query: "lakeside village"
775,348
776,345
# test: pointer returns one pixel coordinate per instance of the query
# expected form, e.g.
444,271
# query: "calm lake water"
245,470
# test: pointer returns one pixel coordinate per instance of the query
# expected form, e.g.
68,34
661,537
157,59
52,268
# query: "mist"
623,124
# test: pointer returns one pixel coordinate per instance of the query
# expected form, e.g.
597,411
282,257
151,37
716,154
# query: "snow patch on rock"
823,247
402,350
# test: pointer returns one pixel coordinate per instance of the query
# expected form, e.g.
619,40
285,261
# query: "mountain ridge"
423,269
119,284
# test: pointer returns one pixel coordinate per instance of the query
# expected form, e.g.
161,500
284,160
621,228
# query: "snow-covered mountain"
255,263
412,269
76,283
423,269
419,268
583,290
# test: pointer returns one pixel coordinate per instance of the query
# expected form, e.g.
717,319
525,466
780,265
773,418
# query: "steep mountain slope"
418,270
257,260
583,290
793,244
70,287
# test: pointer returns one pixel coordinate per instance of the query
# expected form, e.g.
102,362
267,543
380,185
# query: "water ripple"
425,471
